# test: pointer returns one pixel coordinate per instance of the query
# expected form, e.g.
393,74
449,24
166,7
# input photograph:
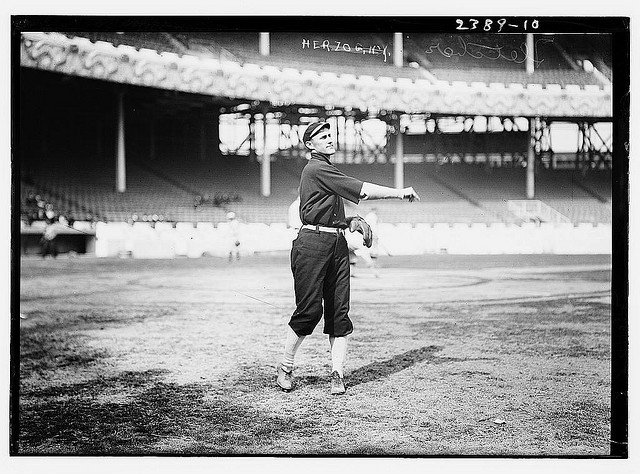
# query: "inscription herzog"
339,46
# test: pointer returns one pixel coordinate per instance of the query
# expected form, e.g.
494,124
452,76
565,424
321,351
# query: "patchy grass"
177,357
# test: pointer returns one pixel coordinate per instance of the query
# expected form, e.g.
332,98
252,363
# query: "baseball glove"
357,223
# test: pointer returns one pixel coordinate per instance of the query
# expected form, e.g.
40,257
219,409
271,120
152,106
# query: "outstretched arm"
372,191
350,209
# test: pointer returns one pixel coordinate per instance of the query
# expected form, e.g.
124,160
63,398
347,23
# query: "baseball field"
451,355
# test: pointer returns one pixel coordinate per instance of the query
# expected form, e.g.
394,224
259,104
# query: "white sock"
338,353
291,346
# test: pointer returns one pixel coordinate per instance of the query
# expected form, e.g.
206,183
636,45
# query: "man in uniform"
48,241
234,235
293,216
319,256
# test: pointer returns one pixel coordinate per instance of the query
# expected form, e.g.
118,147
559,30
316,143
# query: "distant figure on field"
356,245
293,221
358,249
234,236
48,244
372,219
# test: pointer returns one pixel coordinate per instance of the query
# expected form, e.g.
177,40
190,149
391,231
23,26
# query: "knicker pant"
320,266
48,247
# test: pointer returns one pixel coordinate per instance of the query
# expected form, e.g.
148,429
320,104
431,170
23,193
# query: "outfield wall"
184,240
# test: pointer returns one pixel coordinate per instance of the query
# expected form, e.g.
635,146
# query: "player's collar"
320,156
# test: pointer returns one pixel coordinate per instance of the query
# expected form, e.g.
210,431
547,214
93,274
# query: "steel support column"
398,59
265,166
264,44
399,166
589,151
252,137
531,159
531,51
121,177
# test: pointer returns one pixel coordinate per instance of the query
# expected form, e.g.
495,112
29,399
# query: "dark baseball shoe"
285,378
337,384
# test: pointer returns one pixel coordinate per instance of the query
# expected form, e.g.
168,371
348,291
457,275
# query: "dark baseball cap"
313,129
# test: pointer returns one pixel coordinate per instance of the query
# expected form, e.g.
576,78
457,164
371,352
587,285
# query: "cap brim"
318,129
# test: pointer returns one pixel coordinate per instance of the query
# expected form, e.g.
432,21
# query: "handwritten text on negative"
490,25
476,50
339,46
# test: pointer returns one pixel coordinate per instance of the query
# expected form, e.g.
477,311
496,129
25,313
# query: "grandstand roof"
364,82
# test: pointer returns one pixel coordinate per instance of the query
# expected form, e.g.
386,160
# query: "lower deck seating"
166,191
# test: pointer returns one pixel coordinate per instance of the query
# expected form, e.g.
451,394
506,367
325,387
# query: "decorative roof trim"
144,67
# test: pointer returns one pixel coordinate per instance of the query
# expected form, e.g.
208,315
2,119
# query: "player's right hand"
410,194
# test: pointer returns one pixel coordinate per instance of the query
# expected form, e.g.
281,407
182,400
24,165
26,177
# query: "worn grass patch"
145,416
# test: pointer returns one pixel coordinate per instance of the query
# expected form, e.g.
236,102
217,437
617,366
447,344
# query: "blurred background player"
357,249
293,216
48,244
234,235
372,220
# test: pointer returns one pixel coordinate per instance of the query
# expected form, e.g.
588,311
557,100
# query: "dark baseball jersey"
322,187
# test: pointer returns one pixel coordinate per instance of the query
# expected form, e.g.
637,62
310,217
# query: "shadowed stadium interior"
176,172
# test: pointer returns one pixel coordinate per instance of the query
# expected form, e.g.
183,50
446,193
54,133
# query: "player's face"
323,142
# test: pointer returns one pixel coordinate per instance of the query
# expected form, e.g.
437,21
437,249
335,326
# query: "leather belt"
321,228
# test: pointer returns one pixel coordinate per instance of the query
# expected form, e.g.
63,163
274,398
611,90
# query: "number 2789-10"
491,25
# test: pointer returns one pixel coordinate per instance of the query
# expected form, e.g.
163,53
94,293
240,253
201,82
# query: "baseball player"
356,245
48,241
319,255
234,236
293,217
372,220
358,249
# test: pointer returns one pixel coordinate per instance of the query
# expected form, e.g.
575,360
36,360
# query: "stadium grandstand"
183,127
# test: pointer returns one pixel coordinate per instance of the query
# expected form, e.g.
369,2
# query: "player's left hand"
357,223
